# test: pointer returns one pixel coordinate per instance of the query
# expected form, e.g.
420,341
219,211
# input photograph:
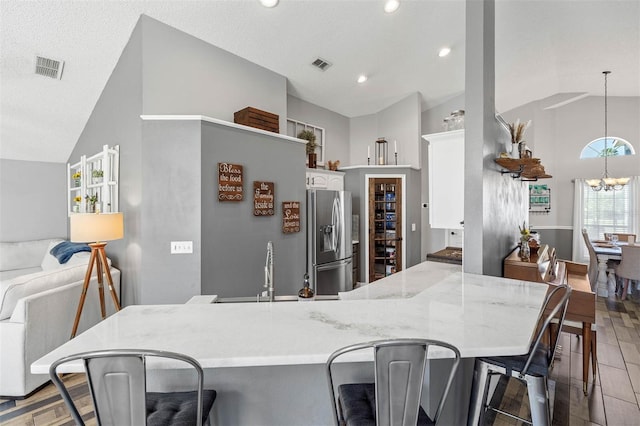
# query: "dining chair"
393,399
593,264
593,261
629,267
117,381
532,368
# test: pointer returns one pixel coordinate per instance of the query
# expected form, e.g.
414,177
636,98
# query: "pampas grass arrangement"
517,130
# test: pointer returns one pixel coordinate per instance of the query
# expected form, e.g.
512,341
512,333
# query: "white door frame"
367,178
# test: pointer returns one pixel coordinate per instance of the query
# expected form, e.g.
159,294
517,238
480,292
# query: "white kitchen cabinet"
446,179
93,182
325,179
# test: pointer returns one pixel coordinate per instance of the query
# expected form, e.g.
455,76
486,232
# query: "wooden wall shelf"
525,169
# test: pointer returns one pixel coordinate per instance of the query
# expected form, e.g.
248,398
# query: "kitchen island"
266,360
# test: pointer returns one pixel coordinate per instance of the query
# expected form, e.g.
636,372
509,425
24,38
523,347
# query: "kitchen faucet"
268,272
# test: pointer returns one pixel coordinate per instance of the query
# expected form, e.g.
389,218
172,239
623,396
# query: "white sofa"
38,302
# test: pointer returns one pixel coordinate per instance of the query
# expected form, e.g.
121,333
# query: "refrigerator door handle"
335,220
333,265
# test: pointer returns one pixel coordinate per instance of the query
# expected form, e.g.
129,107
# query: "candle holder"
396,155
381,151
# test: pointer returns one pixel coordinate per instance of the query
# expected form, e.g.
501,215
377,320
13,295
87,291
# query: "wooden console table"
543,267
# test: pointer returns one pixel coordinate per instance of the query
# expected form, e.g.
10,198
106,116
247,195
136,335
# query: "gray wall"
170,211
336,127
399,122
363,132
33,205
185,75
115,120
234,241
165,71
494,204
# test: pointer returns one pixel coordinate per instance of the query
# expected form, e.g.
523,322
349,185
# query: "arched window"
615,146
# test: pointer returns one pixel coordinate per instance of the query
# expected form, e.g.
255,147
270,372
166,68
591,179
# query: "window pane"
607,211
614,146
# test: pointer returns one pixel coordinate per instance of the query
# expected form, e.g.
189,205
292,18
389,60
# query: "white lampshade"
93,227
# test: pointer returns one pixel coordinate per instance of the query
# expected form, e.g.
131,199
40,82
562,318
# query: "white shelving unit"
82,183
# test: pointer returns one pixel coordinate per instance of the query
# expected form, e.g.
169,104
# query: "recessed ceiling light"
362,78
269,3
444,52
391,6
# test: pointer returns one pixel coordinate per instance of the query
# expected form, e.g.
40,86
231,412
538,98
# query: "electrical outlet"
413,227
181,247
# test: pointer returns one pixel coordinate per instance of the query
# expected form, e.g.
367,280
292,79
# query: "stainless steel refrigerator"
329,245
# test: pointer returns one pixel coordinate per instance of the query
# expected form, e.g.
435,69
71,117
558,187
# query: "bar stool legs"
536,389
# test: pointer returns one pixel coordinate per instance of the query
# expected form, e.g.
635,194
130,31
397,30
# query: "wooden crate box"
259,119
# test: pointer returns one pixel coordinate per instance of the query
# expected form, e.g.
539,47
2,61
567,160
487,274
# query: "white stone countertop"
481,315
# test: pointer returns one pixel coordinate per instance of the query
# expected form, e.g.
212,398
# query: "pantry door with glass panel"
385,227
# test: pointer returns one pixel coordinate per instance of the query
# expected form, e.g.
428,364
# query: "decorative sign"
290,217
230,182
263,196
539,199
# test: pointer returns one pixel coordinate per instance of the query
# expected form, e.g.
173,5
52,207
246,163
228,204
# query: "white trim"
563,227
365,190
386,166
222,123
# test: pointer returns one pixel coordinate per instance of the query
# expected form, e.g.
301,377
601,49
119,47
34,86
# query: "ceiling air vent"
49,67
321,64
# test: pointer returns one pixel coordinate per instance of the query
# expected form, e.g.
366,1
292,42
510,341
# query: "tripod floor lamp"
96,228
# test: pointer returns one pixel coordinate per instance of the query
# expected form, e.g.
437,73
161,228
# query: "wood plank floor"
613,397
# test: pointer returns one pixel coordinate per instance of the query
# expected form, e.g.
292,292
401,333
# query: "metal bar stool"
394,397
531,368
117,382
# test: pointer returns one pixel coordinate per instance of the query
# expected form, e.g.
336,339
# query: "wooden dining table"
605,251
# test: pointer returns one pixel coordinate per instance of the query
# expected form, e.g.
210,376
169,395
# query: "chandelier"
605,182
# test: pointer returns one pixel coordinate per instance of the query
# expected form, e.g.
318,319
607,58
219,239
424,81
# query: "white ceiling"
542,48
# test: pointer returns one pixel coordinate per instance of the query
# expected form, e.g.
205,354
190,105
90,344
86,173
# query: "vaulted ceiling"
542,48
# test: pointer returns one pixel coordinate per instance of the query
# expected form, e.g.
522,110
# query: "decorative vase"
515,152
525,251
312,160
97,179
77,182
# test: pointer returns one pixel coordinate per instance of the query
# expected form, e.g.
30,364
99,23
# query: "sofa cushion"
24,254
14,289
8,275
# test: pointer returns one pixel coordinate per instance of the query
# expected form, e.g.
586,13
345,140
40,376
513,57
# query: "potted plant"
525,236
97,175
76,178
91,202
310,137
77,199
